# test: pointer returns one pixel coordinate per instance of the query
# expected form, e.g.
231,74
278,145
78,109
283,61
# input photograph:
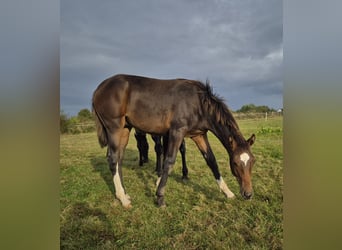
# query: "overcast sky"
237,45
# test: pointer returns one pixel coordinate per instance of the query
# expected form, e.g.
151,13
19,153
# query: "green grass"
197,216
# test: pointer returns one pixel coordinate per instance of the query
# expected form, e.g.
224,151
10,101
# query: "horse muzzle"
247,195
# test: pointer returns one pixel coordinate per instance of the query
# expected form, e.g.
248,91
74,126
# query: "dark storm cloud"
236,44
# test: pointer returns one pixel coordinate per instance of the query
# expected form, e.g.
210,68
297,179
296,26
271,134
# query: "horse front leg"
204,146
174,141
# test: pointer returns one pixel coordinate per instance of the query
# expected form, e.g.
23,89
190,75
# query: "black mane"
215,107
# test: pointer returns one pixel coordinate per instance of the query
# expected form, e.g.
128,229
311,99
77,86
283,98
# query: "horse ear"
251,140
230,139
232,143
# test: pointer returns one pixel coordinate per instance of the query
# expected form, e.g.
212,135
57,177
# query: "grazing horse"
180,108
160,150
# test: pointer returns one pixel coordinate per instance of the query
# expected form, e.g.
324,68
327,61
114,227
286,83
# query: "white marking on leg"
158,181
244,157
119,190
224,188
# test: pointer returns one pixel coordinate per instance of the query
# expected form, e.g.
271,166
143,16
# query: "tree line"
251,108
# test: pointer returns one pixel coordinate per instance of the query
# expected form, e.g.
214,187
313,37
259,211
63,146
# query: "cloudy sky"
237,45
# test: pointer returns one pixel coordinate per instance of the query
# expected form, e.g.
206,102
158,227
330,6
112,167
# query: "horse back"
151,105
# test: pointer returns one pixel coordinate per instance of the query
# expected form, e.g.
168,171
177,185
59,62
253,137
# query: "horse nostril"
247,195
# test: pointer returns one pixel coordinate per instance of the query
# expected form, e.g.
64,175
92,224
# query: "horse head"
241,163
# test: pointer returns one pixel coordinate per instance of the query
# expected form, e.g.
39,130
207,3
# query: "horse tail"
100,128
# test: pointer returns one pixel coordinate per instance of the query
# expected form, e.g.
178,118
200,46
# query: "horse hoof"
127,206
125,200
185,178
231,196
160,202
162,205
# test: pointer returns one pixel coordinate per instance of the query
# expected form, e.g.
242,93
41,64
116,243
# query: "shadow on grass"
147,175
83,227
100,165
208,192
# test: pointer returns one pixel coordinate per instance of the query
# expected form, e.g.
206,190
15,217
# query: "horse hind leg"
115,154
158,148
142,146
185,171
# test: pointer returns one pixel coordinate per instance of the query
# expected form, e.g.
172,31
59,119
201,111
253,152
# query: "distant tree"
263,109
84,115
247,108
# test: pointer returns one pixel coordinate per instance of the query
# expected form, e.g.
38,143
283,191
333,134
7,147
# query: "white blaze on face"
244,157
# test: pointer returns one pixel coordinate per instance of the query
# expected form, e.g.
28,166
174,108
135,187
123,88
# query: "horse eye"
235,166
233,172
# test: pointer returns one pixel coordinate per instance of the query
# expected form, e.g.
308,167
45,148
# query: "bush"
82,123
63,123
73,128
84,115
270,130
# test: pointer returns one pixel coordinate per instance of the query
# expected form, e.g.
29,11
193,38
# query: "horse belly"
149,120
151,125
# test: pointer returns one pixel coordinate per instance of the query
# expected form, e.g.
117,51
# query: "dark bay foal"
178,108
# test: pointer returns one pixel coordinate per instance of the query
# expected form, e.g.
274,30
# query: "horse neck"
222,132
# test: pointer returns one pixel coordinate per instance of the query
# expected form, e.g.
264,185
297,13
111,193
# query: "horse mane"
214,105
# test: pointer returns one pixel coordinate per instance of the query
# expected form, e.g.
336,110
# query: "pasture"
197,216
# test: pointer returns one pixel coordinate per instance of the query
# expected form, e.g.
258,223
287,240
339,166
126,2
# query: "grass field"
197,216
